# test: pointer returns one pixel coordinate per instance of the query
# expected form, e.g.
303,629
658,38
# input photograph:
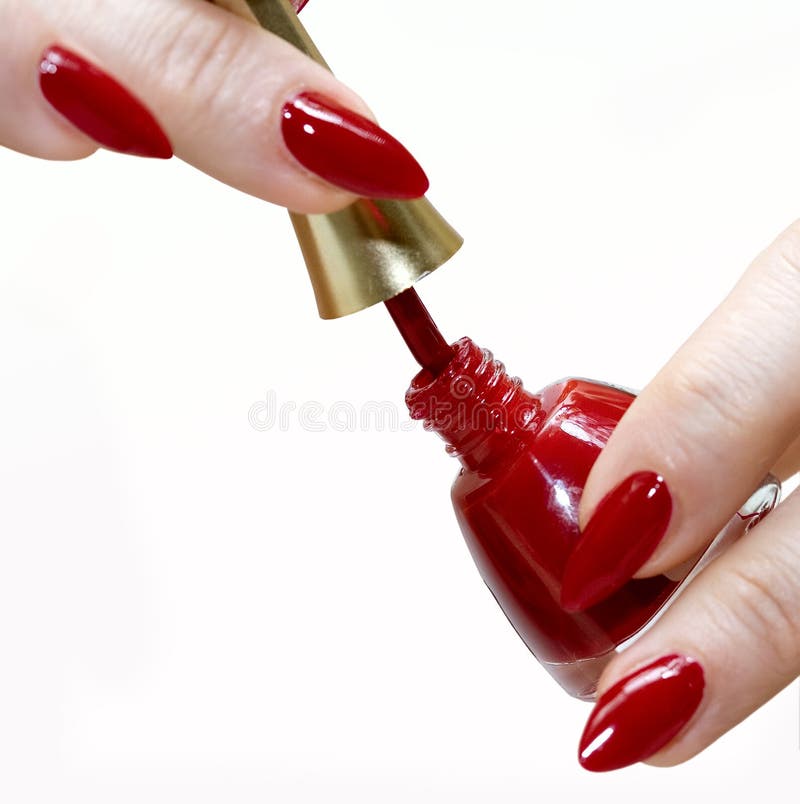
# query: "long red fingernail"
641,713
299,5
621,535
349,150
99,106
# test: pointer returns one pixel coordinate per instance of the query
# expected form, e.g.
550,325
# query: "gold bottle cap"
373,249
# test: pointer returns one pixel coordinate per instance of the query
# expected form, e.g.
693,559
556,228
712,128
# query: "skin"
215,83
721,414
726,399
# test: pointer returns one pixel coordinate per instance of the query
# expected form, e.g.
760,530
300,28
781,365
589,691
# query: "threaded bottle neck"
473,405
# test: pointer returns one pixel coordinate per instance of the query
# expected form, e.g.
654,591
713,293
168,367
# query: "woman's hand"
156,76
720,415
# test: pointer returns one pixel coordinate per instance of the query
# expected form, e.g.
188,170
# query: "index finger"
703,434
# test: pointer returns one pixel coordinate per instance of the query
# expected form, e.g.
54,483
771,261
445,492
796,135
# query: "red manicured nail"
299,5
99,106
641,713
349,150
621,535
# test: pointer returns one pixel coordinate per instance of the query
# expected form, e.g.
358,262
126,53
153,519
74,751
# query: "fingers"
705,432
729,643
28,124
228,97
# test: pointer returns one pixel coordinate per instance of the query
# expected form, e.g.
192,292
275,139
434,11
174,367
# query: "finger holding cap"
226,96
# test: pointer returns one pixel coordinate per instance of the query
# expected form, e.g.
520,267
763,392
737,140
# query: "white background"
195,610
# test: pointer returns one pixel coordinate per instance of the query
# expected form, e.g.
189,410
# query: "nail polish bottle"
524,462
524,457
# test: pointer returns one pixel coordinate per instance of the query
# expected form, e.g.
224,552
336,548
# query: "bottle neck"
473,405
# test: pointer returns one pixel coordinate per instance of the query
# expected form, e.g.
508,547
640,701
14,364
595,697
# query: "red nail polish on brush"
524,460
100,106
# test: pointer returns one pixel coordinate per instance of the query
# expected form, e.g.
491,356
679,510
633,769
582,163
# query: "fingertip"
321,200
624,531
98,105
348,150
68,150
665,759
53,140
669,689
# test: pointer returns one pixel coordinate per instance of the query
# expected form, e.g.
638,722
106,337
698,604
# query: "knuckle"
716,392
787,249
196,55
777,273
764,604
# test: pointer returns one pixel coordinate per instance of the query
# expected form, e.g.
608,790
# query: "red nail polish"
419,331
641,713
99,106
349,150
299,5
622,534
524,460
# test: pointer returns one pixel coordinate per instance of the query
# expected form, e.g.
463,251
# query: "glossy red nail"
99,106
299,5
641,713
349,150
621,535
